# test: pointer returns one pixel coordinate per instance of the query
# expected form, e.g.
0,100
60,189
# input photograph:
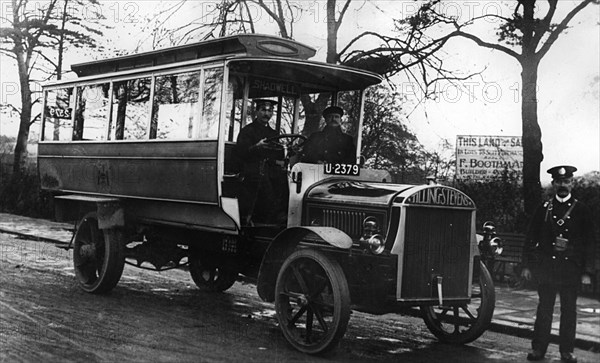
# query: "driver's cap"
263,101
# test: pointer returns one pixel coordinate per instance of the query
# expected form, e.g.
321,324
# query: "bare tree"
33,34
521,36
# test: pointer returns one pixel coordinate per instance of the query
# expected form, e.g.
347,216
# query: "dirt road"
162,317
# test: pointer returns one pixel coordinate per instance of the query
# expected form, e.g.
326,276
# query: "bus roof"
311,75
241,44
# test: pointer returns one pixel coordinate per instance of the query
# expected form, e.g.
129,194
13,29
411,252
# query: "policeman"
261,174
558,249
330,145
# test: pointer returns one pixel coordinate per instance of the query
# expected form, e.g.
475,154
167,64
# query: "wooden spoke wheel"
461,324
98,255
211,272
312,301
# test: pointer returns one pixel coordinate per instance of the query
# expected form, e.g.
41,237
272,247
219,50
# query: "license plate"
342,169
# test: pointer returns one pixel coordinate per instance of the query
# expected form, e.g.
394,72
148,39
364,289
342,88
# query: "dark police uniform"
263,180
558,249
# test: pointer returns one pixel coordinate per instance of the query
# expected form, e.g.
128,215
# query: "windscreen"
295,112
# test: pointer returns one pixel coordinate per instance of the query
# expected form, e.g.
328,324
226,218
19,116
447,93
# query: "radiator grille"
347,221
437,243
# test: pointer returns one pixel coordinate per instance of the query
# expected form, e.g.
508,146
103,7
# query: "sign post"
485,158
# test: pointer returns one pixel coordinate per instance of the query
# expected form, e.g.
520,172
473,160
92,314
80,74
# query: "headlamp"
496,246
376,244
371,237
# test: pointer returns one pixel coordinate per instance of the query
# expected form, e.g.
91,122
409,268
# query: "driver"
330,145
263,176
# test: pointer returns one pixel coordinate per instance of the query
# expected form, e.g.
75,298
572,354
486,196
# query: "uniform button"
554,257
566,258
554,244
568,217
566,230
554,217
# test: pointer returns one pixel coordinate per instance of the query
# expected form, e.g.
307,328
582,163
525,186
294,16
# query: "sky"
569,75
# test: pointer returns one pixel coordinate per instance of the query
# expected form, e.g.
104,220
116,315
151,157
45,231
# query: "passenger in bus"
264,185
330,145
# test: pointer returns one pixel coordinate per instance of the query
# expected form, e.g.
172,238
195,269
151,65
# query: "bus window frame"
75,110
43,123
246,102
211,63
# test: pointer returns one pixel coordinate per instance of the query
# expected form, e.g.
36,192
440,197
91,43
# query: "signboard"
482,158
269,87
59,112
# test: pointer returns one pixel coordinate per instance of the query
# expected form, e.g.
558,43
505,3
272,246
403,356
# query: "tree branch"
250,20
338,22
35,118
364,34
40,53
484,44
544,25
561,27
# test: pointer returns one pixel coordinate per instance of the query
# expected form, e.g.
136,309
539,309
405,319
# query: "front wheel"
98,255
312,301
461,324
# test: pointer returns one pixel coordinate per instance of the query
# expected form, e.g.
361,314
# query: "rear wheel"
312,301
461,324
98,255
212,272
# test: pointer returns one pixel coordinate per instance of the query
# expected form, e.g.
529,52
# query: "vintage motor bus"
140,150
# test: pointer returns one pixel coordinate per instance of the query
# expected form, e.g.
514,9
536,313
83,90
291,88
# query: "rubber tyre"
98,255
312,301
465,323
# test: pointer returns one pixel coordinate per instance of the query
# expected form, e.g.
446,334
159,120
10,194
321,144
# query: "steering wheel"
278,141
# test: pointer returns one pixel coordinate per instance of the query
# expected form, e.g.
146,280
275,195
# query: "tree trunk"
61,42
532,136
332,28
20,157
312,112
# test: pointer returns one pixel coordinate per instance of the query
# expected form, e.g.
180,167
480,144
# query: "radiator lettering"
441,196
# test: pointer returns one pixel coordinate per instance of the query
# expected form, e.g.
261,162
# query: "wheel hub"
87,251
302,300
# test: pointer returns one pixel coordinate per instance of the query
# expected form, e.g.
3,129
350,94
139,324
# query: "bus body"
140,150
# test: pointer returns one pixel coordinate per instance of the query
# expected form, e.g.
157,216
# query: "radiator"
436,243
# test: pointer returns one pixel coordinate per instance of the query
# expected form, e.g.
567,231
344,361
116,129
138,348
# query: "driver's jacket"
256,161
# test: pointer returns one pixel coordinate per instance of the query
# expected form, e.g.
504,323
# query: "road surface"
162,317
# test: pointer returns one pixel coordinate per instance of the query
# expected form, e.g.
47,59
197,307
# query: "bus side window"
131,103
287,115
58,115
175,108
350,102
233,112
91,113
211,106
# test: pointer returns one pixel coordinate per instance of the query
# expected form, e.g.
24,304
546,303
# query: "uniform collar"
563,200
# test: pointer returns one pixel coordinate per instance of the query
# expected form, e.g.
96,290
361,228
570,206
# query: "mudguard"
284,244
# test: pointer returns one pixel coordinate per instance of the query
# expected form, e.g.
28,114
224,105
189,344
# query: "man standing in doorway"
261,173
558,250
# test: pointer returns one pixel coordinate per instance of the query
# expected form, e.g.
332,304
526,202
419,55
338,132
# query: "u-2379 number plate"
342,169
